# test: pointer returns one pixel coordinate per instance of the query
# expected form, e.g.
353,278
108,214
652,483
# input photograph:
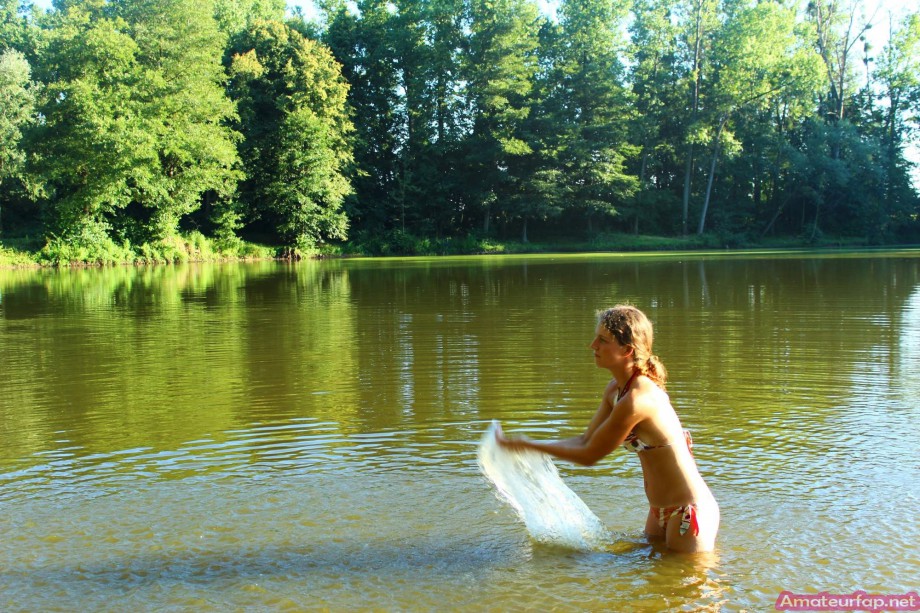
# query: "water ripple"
303,437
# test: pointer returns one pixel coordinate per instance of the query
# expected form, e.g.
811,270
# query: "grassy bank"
14,256
400,244
192,247
195,247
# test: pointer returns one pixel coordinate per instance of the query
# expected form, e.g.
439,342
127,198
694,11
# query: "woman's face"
608,352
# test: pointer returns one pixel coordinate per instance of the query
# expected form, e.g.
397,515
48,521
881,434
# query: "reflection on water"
302,436
909,350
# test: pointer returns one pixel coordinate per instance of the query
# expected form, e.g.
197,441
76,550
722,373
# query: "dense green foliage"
128,127
293,115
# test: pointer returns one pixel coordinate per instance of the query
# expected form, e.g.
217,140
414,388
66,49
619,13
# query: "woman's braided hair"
633,329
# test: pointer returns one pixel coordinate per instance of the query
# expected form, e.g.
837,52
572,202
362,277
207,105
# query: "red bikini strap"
626,387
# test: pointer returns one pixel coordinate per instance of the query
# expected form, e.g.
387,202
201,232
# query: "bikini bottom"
687,514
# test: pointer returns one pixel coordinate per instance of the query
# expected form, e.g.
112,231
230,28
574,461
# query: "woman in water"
635,412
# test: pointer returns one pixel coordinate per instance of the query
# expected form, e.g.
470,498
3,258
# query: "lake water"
303,436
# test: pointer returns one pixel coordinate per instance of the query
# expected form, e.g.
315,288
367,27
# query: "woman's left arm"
607,437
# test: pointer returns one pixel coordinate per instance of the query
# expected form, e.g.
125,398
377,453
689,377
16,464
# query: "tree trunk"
524,236
440,105
756,196
402,193
642,172
695,105
486,219
888,201
894,139
712,175
779,211
688,169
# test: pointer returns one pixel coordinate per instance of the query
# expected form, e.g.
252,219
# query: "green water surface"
302,436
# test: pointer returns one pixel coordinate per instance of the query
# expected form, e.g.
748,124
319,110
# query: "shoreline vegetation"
197,248
152,132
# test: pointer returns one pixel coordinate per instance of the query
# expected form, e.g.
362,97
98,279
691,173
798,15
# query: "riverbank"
194,247
27,252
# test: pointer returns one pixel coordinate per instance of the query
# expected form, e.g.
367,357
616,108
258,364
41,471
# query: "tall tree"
754,62
437,174
412,54
699,20
403,60
17,102
500,69
653,77
592,106
185,108
778,135
92,139
133,111
294,117
839,30
899,79
361,41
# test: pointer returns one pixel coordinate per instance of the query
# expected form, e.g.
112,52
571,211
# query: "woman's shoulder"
649,394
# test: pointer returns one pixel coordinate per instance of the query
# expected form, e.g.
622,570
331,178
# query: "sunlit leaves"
133,114
292,101
16,107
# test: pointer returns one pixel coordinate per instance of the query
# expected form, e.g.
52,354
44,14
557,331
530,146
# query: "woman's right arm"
601,441
601,415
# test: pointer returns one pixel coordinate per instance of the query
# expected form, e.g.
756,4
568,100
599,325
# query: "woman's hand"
509,444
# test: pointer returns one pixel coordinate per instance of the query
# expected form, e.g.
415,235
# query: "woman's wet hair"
630,327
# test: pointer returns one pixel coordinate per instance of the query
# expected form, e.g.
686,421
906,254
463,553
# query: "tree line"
128,122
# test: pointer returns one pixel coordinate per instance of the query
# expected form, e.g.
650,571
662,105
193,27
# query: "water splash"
530,483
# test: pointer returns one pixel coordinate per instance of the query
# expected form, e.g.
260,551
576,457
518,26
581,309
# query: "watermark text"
857,601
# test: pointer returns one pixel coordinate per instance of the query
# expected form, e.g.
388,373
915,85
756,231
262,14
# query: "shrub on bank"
11,257
90,245
91,250
196,247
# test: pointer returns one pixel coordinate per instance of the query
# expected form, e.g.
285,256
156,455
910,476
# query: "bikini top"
633,442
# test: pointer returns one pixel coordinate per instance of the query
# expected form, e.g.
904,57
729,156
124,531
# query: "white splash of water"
530,483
